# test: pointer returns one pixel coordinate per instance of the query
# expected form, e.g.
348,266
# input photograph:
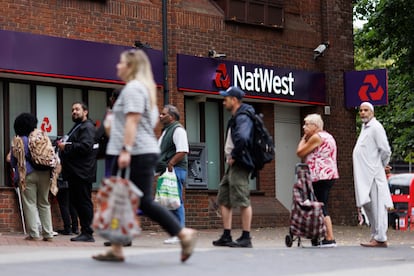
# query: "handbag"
115,219
167,193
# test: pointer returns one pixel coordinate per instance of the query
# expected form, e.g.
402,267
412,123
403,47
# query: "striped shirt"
134,98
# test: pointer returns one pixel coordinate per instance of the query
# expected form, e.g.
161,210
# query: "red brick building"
55,52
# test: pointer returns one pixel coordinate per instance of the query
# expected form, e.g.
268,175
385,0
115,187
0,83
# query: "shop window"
19,101
46,109
96,113
266,13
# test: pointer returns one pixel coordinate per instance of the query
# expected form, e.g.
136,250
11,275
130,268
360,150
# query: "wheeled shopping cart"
306,218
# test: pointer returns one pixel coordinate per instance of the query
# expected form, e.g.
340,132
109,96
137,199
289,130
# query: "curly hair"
24,124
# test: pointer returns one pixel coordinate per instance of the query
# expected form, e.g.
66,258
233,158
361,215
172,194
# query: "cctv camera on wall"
214,54
320,50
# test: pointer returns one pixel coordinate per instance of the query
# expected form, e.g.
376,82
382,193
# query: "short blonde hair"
314,119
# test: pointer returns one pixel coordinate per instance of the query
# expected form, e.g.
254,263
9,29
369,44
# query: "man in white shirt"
174,149
370,157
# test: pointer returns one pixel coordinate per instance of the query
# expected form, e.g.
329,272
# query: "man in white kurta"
370,156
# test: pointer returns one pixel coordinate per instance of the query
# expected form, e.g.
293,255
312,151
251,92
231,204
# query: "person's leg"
381,214
43,205
240,197
223,200
180,212
143,175
29,203
321,189
80,197
246,218
63,200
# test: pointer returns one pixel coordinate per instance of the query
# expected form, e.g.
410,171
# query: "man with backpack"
234,187
78,152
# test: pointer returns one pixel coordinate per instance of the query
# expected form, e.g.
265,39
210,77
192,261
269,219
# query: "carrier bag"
167,193
118,200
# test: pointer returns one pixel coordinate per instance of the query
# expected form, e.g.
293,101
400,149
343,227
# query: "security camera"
320,50
214,54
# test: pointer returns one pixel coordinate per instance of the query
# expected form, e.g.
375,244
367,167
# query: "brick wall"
195,26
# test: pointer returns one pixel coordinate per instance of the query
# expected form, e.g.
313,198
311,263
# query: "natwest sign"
263,80
209,75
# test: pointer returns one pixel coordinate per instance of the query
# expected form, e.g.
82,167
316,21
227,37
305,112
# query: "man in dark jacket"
78,152
234,187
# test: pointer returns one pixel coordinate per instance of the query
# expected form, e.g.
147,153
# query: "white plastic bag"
167,193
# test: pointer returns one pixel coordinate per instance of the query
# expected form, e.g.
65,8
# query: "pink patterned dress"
322,160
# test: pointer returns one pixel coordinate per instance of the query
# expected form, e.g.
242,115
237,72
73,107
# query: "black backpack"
262,148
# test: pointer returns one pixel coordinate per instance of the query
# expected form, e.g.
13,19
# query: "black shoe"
242,243
315,242
83,237
223,241
64,232
108,243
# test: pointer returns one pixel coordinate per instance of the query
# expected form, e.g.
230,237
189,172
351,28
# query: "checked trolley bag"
118,200
306,218
167,193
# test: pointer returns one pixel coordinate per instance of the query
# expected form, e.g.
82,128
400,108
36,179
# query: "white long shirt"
370,156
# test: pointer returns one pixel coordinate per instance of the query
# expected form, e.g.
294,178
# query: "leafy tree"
387,40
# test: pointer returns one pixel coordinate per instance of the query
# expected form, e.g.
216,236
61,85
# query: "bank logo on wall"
366,86
222,79
209,75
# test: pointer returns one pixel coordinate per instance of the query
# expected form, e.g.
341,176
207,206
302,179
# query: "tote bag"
118,201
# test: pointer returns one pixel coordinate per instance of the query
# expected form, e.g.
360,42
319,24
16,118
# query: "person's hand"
60,145
170,167
124,159
230,161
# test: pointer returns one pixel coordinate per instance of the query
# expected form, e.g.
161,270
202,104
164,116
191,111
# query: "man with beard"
370,158
78,152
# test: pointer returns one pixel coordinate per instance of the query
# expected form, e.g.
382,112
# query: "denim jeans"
180,212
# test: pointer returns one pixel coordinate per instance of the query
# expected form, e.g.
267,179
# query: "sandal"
108,257
188,244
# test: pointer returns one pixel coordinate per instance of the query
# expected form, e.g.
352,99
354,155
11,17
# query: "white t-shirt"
179,138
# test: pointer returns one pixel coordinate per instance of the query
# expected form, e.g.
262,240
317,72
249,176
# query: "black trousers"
81,198
142,175
67,211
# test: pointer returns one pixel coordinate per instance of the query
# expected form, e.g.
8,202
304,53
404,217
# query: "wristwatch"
127,148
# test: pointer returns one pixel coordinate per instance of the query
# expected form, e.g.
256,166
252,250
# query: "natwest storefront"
277,93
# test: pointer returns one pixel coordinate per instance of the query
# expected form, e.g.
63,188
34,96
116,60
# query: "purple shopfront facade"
56,57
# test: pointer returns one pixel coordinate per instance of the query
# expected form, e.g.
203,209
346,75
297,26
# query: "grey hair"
315,119
173,111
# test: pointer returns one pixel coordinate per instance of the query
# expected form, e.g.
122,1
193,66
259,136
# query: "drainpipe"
165,50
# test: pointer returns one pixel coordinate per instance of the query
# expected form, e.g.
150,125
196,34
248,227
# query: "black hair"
83,105
24,124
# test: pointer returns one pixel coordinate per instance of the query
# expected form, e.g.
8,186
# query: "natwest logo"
263,80
222,79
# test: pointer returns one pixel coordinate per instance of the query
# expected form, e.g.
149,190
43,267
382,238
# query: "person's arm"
307,145
131,125
181,144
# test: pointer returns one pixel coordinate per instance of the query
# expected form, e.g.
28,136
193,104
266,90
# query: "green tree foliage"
387,40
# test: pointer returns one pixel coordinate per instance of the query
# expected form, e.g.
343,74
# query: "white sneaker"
172,240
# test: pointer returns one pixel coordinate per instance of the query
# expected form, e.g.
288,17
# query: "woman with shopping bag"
133,141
